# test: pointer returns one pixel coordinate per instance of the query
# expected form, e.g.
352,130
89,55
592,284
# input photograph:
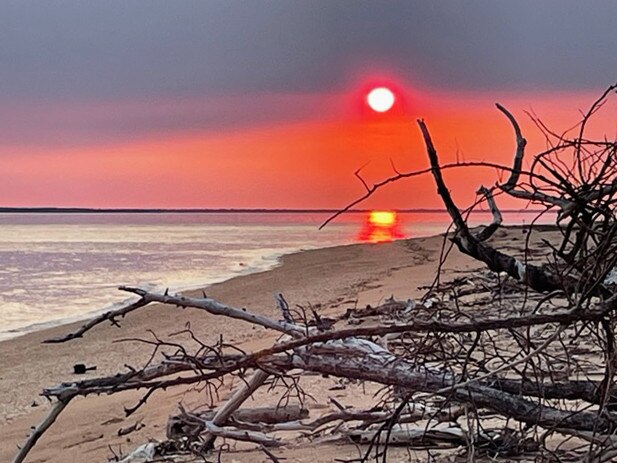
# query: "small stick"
41,428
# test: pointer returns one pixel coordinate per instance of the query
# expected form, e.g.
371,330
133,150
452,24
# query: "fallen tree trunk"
366,361
422,436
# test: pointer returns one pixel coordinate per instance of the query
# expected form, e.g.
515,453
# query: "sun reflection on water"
380,227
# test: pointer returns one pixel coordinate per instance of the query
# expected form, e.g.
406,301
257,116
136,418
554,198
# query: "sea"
60,267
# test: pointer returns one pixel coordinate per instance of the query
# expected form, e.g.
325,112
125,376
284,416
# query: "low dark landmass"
86,210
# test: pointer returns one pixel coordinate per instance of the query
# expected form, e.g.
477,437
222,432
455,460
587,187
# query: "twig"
38,432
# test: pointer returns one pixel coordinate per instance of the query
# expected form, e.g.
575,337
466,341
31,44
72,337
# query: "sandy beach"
331,279
310,231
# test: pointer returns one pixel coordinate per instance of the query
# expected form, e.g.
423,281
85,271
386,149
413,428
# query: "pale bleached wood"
257,416
209,305
409,436
366,416
490,229
238,398
242,435
216,308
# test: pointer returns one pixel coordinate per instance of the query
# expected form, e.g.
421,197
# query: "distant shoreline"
86,210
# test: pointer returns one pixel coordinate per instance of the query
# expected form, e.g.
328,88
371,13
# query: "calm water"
61,267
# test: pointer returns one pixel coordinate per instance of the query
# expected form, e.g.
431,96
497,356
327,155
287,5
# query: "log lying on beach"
431,437
364,360
183,424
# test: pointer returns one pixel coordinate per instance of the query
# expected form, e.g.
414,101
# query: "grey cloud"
113,49
69,124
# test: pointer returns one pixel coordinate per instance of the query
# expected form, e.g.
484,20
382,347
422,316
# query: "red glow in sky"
303,162
265,104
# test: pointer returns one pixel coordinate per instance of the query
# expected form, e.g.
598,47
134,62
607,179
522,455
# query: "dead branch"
242,435
38,432
110,315
207,304
489,230
225,412
414,437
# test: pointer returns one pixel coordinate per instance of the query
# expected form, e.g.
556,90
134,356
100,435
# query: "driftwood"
183,424
242,435
416,437
38,431
268,415
364,416
227,410
532,343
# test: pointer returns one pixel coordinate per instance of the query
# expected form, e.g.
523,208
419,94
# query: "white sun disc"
380,99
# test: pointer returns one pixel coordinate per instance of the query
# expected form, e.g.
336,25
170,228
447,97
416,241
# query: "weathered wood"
178,425
110,315
242,435
387,308
215,308
538,278
416,413
137,380
37,432
364,362
239,397
413,437
588,391
489,230
283,307
270,415
205,303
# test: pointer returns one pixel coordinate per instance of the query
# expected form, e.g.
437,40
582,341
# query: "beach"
331,280
242,232
335,278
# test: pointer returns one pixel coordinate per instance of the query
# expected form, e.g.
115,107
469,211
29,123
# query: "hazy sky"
106,87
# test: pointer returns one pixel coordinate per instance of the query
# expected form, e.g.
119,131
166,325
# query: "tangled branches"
496,362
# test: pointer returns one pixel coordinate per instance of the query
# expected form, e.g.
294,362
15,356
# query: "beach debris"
416,437
283,307
185,423
338,387
38,431
130,429
80,368
112,421
142,454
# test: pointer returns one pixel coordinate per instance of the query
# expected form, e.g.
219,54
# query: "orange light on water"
380,227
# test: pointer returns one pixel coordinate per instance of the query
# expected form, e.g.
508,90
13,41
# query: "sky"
242,104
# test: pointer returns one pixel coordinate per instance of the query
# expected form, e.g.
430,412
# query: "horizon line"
92,210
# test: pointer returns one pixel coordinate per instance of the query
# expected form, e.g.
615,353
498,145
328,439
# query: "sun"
380,99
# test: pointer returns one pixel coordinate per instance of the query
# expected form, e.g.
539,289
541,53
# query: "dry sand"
333,278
